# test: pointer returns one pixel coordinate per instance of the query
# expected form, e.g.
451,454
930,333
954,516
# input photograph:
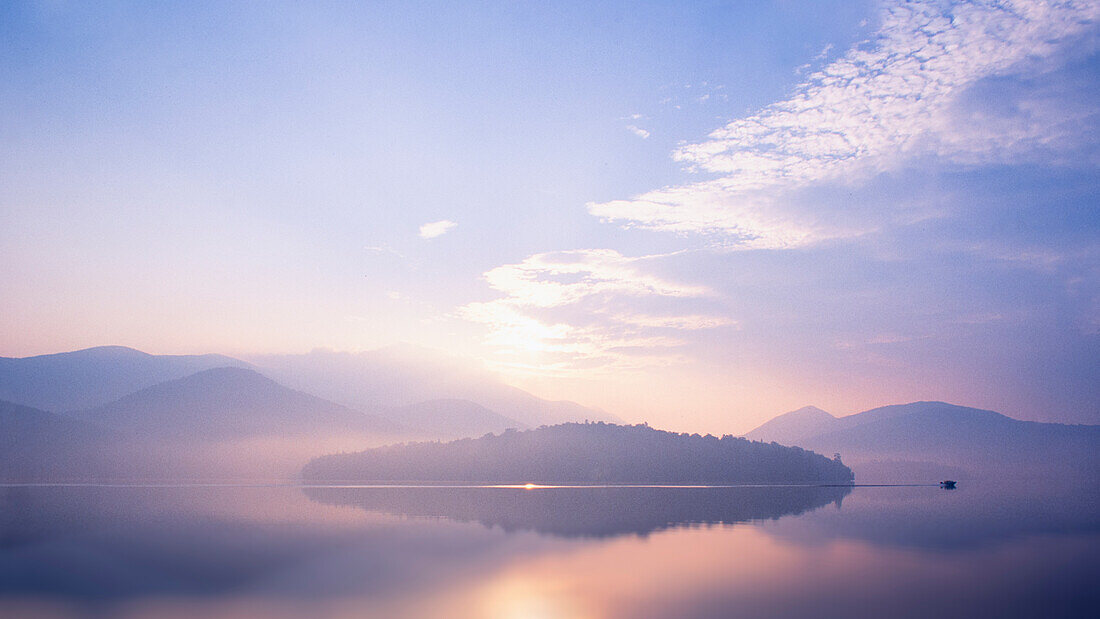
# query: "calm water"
231,551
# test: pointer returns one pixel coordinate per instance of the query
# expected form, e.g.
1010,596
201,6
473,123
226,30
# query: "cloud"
383,249
642,133
886,101
580,309
436,228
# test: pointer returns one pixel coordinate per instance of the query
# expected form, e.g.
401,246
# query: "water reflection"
980,513
561,552
588,512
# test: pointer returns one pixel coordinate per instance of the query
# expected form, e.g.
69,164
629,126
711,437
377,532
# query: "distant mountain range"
399,376
94,376
450,418
423,393
121,412
795,426
229,403
37,445
926,437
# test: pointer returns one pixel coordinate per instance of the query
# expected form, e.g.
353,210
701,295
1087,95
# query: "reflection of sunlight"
589,580
527,486
525,599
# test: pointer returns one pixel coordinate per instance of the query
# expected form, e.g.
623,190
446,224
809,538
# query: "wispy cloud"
580,309
642,133
436,228
885,101
383,249
702,93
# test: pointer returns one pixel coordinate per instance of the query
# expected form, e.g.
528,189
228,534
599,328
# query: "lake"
1030,550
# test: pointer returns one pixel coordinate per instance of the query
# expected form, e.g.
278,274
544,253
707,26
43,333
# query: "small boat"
948,484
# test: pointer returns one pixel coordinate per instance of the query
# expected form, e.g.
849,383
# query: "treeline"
585,453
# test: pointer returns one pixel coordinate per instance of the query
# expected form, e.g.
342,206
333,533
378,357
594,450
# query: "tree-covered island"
584,453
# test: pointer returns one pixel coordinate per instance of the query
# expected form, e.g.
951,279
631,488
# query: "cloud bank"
952,156
887,100
582,309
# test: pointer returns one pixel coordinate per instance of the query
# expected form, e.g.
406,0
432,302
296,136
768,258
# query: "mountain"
215,424
584,453
439,396
979,442
228,403
448,418
789,428
94,376
404,375
38,445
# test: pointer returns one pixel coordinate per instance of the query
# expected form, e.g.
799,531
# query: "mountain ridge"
401,375
228,402
449,418
94,376
40,445
937,433
806,421
380,382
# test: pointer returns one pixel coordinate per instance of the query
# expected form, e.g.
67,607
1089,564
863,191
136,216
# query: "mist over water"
491,310
162,503
147,551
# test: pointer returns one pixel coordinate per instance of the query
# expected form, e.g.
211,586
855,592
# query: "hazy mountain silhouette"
794,426
402,375
39,445
94,376
979,441
412,387
584,453
448,418
228,403
588,512
216,424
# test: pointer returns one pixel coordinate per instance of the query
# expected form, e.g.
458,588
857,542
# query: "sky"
695,214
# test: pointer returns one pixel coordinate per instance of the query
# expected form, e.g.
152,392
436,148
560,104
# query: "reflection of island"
587,512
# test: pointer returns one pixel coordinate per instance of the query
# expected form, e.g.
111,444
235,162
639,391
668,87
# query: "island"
584,453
